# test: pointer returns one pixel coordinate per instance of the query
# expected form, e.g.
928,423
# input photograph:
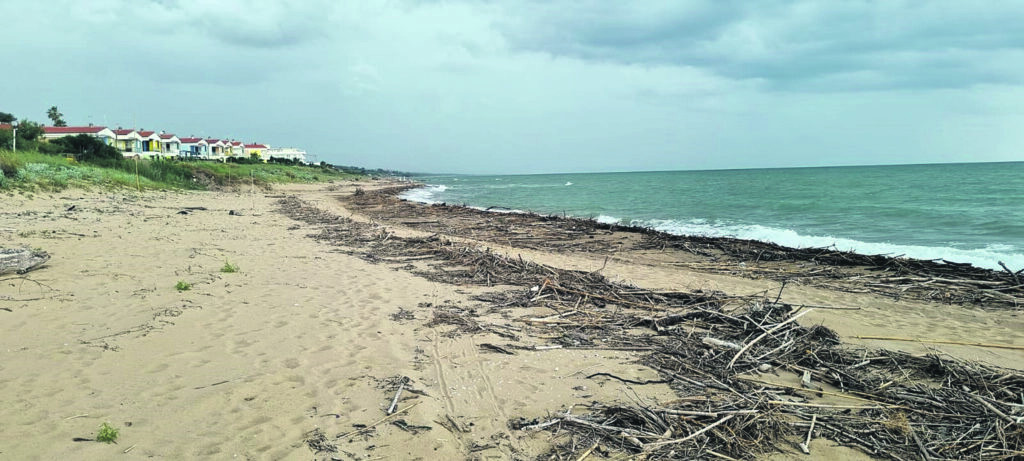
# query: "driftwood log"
21,260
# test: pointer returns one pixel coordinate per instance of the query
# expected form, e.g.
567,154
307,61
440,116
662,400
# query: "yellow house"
127,141
150,143
258,149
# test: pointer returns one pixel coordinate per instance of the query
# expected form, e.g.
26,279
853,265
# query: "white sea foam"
426,194
987,257
568,183
603,219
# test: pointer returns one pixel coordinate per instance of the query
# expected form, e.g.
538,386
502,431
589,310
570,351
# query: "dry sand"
244,364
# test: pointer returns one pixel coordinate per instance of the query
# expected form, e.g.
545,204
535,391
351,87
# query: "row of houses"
150,144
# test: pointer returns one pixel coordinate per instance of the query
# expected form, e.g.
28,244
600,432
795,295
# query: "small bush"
9,164
183,286
229,268
107,434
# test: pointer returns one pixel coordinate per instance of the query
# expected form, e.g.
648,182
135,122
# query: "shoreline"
951,229
311,335
959,276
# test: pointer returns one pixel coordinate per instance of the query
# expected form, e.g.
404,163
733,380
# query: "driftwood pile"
726,358
929,280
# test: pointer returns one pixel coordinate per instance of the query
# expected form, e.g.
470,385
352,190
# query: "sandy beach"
306,337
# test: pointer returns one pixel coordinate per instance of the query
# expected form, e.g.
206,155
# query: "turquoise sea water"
959,212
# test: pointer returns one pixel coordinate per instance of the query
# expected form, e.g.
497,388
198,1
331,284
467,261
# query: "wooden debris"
916,406
21,261
398,395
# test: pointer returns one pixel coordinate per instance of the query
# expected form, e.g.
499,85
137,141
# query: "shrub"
9,164
183,285
229,268
107,434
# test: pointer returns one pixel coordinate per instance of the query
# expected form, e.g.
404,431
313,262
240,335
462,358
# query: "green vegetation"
229,268
183,286
94,167
107,434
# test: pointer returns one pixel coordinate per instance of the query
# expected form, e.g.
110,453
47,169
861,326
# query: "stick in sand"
806,446
394,403
650,446
378,423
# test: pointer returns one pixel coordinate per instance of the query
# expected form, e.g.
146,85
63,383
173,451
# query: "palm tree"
56,116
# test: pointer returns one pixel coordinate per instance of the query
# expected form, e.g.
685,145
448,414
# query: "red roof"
212,141
146,134
236,143
6,126
190,140
72,129
123,132
255,146
166,136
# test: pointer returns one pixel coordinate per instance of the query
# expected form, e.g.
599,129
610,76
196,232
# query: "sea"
963,212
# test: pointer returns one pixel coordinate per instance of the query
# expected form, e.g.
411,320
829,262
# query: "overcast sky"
524,86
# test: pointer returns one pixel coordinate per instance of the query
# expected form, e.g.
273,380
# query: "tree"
56,116
29,131
90,149
6,118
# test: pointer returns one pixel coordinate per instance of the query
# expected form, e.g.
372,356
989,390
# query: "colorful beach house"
170,145
128,141
150,143
258,149
194,148
99,132
236,148
216,148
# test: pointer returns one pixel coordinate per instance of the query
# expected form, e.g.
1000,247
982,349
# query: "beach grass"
30,171
107,434
229,268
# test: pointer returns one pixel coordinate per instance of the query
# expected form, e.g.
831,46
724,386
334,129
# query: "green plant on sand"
229,268
107,434
183,285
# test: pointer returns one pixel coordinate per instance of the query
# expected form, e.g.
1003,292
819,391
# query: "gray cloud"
789,44
250,23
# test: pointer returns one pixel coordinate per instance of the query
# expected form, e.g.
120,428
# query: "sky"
530,86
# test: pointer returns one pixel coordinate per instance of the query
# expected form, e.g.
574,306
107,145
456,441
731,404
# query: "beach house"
194,148
170,145
216,147
258,149
150,143
100,132
127,141
235,148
